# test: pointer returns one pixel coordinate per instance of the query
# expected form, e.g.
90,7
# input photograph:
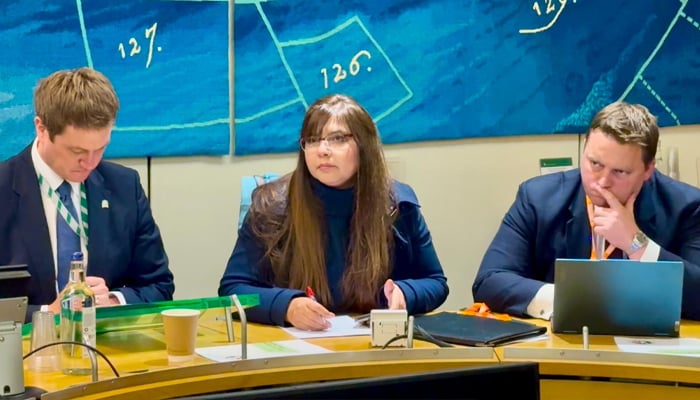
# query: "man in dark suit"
616,194
125,258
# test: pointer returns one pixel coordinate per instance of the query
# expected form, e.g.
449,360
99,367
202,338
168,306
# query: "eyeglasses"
334,141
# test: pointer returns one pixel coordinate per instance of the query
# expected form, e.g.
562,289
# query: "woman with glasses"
337,234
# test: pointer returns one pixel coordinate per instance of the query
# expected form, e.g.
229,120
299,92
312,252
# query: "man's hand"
308,314
394,296
55,307
101,291
616,223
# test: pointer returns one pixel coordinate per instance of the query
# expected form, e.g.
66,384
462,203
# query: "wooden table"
569,371
566,369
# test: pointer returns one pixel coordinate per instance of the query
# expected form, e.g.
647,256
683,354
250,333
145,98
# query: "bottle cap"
77,256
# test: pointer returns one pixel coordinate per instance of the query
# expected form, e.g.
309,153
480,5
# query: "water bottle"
77,320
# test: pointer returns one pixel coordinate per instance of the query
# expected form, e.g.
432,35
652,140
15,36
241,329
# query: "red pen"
310,293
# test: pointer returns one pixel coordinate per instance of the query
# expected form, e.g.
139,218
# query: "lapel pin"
105,204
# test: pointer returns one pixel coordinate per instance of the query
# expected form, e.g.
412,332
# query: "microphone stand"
11,366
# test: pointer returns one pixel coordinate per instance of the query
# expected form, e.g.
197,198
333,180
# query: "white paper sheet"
280,348
343,325
667,346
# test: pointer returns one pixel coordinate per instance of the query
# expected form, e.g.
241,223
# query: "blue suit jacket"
125,247
416,267
548,220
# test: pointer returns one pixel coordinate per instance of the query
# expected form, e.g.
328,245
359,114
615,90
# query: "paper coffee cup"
180,326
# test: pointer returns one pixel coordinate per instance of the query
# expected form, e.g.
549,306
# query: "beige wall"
464,186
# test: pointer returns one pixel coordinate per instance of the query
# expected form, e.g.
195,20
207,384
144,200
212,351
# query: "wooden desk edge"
243,374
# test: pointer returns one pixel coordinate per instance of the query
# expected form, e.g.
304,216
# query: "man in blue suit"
617,194
112,222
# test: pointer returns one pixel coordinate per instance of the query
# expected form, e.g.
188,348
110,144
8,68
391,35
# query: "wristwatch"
638,241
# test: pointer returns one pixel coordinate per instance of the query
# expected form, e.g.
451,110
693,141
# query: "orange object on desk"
482,310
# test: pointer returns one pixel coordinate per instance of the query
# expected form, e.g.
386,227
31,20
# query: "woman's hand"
394,296
308,314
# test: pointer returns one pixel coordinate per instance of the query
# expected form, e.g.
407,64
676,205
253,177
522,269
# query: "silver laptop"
617,297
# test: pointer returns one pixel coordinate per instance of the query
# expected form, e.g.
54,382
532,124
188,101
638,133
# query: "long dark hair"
288,218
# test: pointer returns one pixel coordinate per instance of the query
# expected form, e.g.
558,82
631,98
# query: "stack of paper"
281,348
340,326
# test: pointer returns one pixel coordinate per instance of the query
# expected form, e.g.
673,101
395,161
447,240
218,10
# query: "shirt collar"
42,168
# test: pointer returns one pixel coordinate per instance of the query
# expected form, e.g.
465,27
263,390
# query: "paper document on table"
340,326
668,346
281,348
539,338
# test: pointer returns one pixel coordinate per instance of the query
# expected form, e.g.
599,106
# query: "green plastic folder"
146,315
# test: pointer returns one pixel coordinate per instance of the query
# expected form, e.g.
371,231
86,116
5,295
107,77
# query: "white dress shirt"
50,210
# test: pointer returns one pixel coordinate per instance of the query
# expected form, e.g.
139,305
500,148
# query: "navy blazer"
125,247
549,220
416,267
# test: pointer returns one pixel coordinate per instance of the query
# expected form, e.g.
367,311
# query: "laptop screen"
617,297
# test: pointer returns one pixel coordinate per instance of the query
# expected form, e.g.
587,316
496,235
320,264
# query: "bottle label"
89,326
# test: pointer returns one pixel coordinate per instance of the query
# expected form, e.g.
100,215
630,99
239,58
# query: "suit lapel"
578,228
33,226
644,206
98,197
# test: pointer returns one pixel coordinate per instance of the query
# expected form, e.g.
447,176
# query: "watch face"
641,238
638,241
